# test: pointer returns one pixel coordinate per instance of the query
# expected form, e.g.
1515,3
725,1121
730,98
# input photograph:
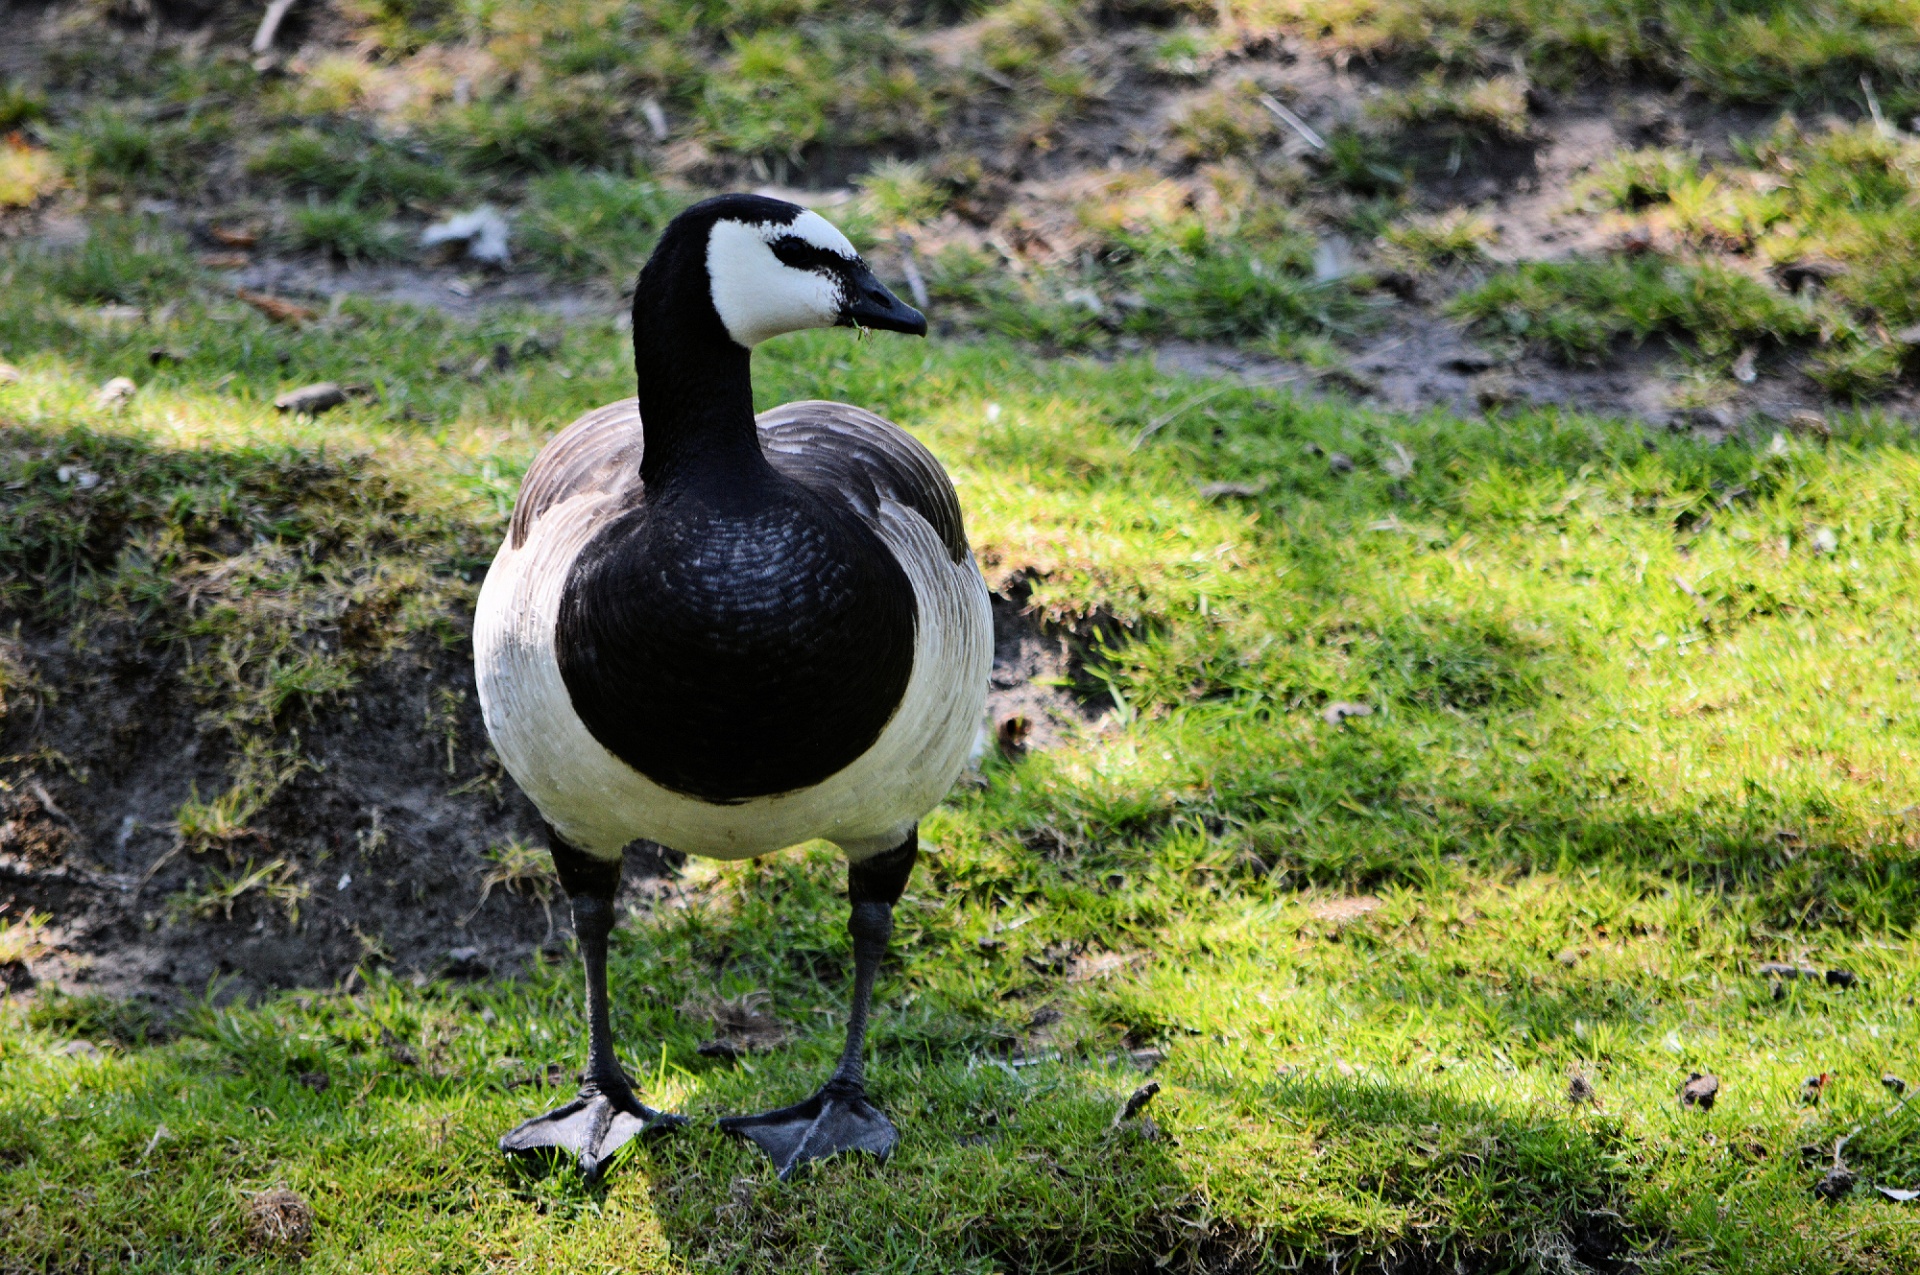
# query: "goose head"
760,267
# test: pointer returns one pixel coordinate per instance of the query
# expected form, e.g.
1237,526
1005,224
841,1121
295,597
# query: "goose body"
729,634
808,699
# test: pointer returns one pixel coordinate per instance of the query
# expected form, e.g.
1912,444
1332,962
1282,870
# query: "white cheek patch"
756,294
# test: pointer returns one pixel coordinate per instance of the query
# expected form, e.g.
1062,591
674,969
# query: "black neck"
695,382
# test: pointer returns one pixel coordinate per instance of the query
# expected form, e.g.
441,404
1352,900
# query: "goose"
729,634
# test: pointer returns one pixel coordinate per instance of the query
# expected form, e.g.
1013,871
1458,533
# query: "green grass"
1642,720
1581,310
595,225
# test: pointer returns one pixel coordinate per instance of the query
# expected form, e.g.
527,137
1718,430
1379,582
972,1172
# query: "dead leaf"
225,260
9,374
1400,464
233,236
1743,369
277,309
1812,1087
1088,968
1345,911
1899,1195
1579,1089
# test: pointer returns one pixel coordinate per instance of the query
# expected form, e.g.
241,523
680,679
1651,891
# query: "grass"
1640,721
595,225
1581,309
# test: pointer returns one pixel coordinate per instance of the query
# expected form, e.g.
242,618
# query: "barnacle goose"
729,634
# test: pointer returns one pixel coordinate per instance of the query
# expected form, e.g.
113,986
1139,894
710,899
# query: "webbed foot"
838,1118
590,1129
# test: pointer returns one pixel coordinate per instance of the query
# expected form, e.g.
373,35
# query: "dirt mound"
398,841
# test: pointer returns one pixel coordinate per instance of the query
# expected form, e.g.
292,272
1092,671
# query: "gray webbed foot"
590,1129
838,1118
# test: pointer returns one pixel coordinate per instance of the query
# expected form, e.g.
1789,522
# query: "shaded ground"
387,826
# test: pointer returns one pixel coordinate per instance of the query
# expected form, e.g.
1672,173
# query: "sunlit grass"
1642,719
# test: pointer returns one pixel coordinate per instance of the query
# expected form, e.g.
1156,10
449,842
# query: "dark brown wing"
848,453
598,452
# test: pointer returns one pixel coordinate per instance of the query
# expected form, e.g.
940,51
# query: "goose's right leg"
605,1116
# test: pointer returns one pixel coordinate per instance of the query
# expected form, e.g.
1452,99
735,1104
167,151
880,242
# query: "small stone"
1136,1103
1700,1090
280,1219
115,393
311,400
1340,463
1893,1084
1836,1184
1470,362
15,976
1796,275
465,962
1809,422
1339,711
1494,390
1012,732
1222,491
80,1049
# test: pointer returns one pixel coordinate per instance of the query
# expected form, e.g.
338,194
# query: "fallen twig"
270,25
1293,121
916,285
1161,421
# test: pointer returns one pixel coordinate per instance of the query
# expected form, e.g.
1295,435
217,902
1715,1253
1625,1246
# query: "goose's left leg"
839,1117
605,1116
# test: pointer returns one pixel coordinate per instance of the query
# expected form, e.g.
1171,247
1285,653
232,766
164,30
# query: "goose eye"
792,250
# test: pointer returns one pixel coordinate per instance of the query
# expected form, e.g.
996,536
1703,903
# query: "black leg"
839,1117
605,1116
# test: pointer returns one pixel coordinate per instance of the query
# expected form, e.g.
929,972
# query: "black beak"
870,305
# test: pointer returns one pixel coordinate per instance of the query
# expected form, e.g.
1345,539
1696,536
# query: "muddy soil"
383,835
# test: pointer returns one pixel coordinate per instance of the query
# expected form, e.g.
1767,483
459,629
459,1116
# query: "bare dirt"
385,831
